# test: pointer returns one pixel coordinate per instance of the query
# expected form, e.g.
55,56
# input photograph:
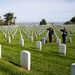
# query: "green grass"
43,62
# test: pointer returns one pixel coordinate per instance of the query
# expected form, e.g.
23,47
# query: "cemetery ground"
47,61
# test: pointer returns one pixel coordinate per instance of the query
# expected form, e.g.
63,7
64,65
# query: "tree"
73,20
8,18
0,17
14,20
43,22
1,21
68,22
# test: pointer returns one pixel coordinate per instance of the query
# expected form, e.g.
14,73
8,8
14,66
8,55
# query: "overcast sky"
35,10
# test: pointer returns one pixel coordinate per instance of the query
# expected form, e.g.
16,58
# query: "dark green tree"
43,22
68,22
73,20
8,18
14,18
0,17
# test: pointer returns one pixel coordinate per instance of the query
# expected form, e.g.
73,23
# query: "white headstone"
39,34
69,39
22,42
35,36
39,45
5,35
8,39
8,33
32,34
73,69
31,38
21,36
0,51
58,41
25,59
12,36
62,49
43,40
27,35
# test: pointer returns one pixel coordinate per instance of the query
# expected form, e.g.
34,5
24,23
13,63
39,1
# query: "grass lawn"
43,62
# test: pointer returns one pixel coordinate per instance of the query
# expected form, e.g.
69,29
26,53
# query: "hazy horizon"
36,10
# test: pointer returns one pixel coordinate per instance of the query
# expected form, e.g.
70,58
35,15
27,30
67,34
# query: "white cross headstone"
25,59
0,51
39,45
62,49
73,69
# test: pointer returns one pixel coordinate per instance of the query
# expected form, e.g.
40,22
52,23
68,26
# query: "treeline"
9,19
72,21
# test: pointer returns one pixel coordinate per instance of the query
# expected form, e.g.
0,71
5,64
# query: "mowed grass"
43,62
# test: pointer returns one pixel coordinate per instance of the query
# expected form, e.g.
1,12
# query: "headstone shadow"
14,63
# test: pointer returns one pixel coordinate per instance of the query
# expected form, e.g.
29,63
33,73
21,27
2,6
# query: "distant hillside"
72,21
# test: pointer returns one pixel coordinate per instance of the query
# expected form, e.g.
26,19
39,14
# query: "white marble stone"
8,39
22,42
27,35
43,40
35,36
12,36
31,38
39,45
58,41
25,59
73,69
39,34
69,39
62,49
32,34
5,35
8,33
21,36
0,51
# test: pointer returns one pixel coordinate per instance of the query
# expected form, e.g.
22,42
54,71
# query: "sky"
36,10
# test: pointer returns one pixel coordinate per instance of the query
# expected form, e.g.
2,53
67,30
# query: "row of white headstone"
6,32
33,31
12,36
16,29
